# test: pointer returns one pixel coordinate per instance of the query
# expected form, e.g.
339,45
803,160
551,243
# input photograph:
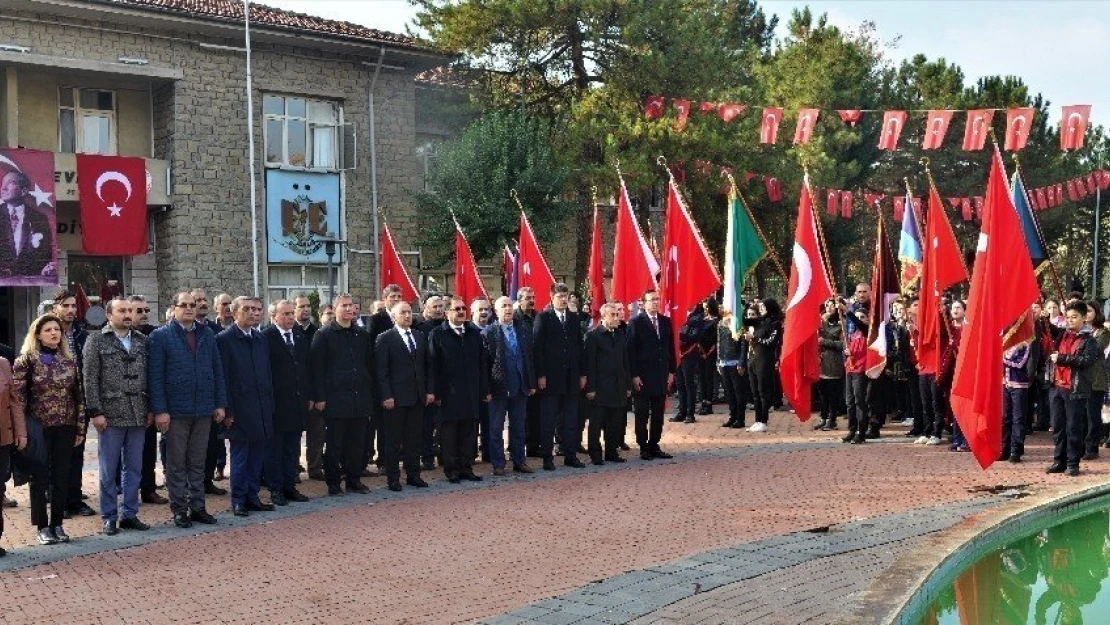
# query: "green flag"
744,248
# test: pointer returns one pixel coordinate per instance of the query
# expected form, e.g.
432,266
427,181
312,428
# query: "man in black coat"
342,359
526,314
431,318
314,421
651,356
557,354
458,363
608,384
381,321
289,348
405,386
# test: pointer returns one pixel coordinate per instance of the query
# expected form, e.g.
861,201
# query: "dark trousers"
831,391
216,456
763,391
512,408
185,452
532,426
315,433
481,443
559,411
456,446
913,403
1015,401
855,396
345,440
736,392
372,437
282,455
708,379
247,458
688,385
150,457
428,433
402,430
932,408
1094,422
610,420
1069,416
1043,414
5,474
649,420
76,468
53,477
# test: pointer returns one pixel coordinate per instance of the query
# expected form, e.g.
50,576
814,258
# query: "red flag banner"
28,246
654,106
1042,201
955,202
1018,121
893,121
1003,287
468,284
799,366
832,202
1103,179
977,128
683,107
534,270
884,290
393,269
634,264
1073,126
769,129
965,209
936,126
707,107
899,207
977,201
730,111
1058,193
113,205
596,271
850,116
689,273
846,204
942,267
807,118
774,190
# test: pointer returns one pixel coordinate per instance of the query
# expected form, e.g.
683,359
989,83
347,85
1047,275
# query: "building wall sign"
301,207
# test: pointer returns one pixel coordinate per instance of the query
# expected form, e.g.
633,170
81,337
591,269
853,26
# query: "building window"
301,132
86,121
427,154
289,281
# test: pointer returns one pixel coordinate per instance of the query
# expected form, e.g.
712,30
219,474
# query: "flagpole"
759,231
1037,225
250,146
824,262
1098,224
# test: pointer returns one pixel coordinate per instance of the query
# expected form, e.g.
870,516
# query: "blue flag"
1038,251
909,245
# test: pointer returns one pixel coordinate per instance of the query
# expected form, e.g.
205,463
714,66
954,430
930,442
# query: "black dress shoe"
202,516
239,510
133,524
428,464
1090,455
416,481
295,495
278,499
82,509
597,461
646,455
212,489
573,461
258,506
154,498
614,458
624,446
1015,459
690,419
858,439
110,528
848,437
316,475
182,520
1072,471
46,536
659,453
739,425
1056,468
523,468
548,464
62,537
358,487
678,418
335,490
454,479
471,477
394,486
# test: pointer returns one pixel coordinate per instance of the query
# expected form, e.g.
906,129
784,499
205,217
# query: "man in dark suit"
216,459
651,356
557,355
245,357
431,317
405,386
26,239
458,365
512,380
381,321
314,421
292,397
526,315
608,384
342,359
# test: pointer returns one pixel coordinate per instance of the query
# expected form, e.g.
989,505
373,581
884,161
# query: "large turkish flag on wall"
113,204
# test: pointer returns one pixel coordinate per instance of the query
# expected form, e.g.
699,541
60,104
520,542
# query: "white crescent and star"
805,275
113,176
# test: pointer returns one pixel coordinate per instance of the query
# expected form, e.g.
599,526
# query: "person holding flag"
1074,354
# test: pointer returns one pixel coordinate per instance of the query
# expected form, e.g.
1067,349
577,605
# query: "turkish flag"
393,269
654,106
82,301
899,207
1073,194
800,365
832,202
942,266
893,121
965,209
846,204
806,120
1092,183
113,205
774,189
596,271
977,201
730,110
683,107
1018,121
1103,179
873,199
534,271
936,126
954,202
1003,287
1042,201
689,275
850,116
884,290
508,265
468,284
707,107
977,128
1073,126
1058,192
769,130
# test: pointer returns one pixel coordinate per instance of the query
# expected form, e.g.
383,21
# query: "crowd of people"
377,393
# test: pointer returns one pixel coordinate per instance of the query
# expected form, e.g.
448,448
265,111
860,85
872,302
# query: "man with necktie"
608,384
651,356
558,348
289,348
26,239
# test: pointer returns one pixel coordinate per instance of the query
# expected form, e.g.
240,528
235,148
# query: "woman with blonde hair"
13,429
46,373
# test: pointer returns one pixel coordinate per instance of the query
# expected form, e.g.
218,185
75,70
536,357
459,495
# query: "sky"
1058,47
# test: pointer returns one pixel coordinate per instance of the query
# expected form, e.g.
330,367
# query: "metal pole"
377,280
250,150
1098,223
331,277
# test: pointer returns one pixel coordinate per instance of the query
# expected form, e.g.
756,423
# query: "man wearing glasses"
187,392
216,459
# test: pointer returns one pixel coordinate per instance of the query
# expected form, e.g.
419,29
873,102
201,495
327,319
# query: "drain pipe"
374,177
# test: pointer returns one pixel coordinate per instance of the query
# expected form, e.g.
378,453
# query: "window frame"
80,113
309,125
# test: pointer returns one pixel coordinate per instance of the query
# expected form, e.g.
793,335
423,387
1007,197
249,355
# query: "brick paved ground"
464,553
